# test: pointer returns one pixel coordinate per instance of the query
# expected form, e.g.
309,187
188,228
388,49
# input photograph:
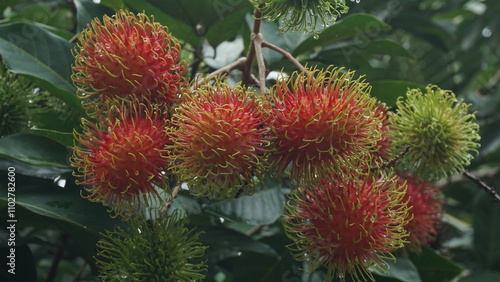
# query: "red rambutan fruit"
128,54
322,119
219,141
425,201
122,156
348,223
384,145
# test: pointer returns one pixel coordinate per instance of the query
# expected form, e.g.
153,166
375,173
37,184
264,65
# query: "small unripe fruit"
439,131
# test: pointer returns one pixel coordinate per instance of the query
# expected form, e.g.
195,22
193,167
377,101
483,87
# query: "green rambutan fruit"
439,131
151,250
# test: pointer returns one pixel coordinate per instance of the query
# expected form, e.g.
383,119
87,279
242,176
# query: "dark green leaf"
388,91
402,269
87,10
44,172
434,267
359,26
178,28
65,205
263,207
481,275
34,149
386,47
487,232
65,138
225,243
43,56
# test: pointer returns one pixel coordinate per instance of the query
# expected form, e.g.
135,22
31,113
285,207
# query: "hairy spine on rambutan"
426,208
322,121
219,140
121,157
438,130
128,54
348,223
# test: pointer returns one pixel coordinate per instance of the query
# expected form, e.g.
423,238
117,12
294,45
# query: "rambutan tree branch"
286,54
482,185
170,199
257,40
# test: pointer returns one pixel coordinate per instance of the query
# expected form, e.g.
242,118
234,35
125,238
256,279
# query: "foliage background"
397,44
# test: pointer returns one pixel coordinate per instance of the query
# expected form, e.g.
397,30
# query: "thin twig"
238,64
247,72
287,55
484,186
168,203
257,42
392,161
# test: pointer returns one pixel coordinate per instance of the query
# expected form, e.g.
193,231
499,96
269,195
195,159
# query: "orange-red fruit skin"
122,156
322,120
348,223
219,140
128,54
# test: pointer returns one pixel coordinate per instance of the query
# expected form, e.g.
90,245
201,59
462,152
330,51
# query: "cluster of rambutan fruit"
362,172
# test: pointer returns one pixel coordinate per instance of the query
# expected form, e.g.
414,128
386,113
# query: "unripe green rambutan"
322,121
219,140
14,91
439,131
301,14
348,223
159,250
122,157
128,54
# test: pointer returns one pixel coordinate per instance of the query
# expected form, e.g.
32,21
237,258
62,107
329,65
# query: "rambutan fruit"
348,223
151,250
219,141
439,131
302,14
322,120
425,203
14,106
122,157
128,54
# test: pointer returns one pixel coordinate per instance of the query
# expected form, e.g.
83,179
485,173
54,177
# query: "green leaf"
386,47
34,149
263,207
487,232
402,269
64,138
388,91
359,26
178,28
65,205
41,55
87,10
434,267
224,243
482,275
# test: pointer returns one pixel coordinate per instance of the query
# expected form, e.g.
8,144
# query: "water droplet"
316,36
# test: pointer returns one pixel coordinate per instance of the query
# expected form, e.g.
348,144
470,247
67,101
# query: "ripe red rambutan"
122,156
348,223
219,141
322,119
384,145
128,54
425,201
